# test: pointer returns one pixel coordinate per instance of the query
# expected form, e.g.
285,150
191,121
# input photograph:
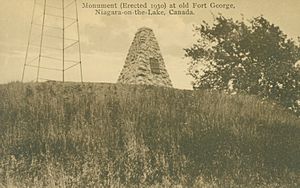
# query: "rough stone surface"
144,63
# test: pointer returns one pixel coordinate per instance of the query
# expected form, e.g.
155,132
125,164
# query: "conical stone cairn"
144,63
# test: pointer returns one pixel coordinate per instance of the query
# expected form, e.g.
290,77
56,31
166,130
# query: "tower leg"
41,42
78,37
63,41
29,39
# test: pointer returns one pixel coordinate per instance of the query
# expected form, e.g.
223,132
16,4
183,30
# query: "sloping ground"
92,135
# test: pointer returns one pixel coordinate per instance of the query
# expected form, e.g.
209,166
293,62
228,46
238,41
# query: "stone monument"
144,63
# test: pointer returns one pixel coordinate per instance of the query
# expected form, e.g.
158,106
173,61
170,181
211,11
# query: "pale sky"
105,40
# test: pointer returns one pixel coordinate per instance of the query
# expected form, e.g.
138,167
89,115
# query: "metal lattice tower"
54,42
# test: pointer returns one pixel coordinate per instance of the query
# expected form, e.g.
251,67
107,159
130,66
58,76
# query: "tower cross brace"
52,49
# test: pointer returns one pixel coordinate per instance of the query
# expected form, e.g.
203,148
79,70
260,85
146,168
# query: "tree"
253,57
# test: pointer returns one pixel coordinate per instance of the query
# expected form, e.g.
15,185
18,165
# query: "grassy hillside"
91,135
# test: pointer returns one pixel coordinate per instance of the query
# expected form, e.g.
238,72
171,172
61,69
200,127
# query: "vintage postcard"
149,93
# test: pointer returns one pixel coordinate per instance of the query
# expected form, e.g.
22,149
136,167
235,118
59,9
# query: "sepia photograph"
149,93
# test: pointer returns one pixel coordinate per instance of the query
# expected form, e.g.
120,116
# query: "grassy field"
111,135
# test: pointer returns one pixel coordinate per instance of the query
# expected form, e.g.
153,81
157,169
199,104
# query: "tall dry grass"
110,135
